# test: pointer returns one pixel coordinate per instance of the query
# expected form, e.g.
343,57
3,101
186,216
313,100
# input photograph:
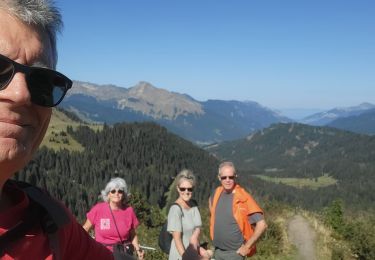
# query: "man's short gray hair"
114,183
226,164
185,175
43,14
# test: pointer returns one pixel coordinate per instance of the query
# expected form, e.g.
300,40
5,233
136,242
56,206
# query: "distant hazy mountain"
326,117
205,122
363,123
299,113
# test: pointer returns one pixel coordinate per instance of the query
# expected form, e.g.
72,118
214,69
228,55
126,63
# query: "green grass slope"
57,138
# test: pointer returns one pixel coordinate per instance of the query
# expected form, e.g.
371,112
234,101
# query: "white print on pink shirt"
105,223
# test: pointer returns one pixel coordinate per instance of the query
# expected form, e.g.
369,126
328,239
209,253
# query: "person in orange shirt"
236,221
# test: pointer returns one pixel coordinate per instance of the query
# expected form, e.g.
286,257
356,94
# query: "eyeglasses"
227,177
184,189
47,87
118,191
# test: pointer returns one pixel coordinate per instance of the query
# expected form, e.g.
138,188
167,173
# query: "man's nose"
16,92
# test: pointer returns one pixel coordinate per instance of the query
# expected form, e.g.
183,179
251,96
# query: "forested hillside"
148,157
145,154
306,152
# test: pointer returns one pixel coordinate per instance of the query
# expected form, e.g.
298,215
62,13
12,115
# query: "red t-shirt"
105,230
74,241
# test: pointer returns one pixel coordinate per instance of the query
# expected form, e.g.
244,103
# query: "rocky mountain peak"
160,103
147,91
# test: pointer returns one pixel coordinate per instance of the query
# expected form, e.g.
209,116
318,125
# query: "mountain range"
200,122
329,116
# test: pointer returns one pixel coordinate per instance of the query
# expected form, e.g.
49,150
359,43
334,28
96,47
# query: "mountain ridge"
200,122
328,116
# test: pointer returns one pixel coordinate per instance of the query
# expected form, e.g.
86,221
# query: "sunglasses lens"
188,189
118,191
47,87
6,72
227,177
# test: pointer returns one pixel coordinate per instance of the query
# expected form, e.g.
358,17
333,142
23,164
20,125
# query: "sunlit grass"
311,183
57,138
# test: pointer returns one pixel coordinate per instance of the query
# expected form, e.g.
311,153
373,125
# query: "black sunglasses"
118,191
47,87
227,177
184,189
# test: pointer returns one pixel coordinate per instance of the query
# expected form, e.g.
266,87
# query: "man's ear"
218,177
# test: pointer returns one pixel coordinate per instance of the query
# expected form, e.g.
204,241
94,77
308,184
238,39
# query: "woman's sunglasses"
47,87
184,189
118,191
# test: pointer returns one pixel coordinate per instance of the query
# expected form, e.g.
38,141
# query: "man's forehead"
227,168
12,47
41,60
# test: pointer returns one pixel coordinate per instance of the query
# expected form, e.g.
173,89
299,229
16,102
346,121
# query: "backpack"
44,211
165,238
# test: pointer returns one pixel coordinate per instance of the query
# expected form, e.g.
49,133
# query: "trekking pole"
147,248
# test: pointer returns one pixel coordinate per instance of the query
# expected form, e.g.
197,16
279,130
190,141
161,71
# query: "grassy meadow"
57,138
310,183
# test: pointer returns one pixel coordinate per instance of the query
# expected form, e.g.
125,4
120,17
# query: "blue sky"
282,54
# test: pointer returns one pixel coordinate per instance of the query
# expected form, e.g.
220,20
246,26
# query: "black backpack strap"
175,203
193,203
42,210
16,232
57,216
54,245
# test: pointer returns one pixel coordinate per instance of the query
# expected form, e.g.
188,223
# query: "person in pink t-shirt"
114,221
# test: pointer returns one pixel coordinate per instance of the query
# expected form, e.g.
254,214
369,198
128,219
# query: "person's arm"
134,238
260,227
178,242
193,251
87,226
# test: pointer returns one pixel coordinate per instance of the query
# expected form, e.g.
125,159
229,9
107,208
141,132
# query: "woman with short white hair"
114,221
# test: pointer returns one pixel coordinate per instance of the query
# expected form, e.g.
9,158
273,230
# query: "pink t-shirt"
105,229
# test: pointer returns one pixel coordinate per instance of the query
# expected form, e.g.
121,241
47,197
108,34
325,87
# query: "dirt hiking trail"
302,236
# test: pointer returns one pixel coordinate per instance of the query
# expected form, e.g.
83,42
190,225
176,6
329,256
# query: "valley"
319,173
